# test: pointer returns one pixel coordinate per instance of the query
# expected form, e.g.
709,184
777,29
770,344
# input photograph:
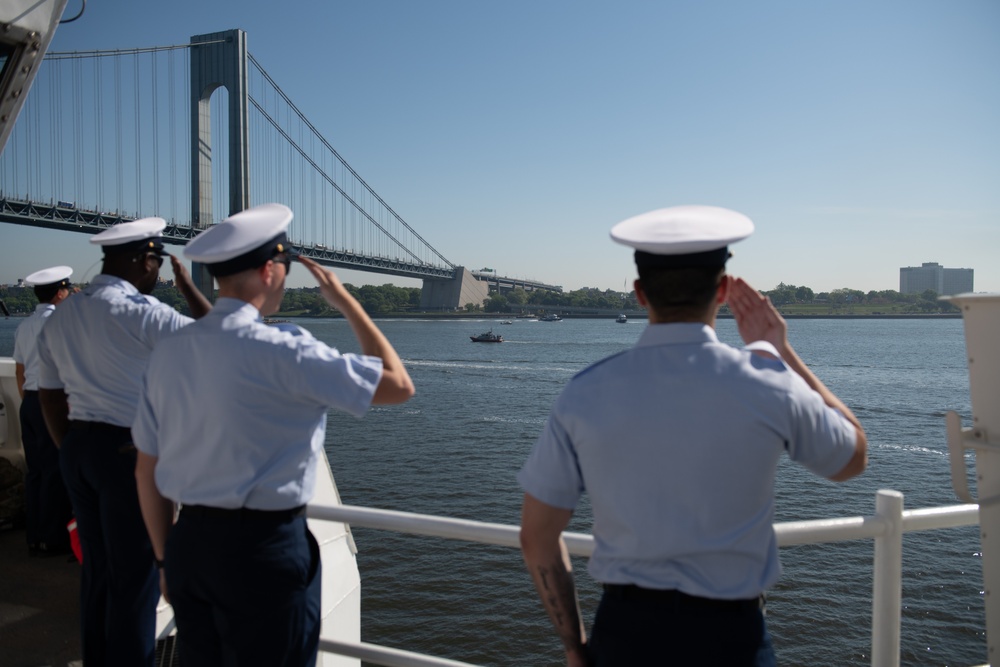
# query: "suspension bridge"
193,133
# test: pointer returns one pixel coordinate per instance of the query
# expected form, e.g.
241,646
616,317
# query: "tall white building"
933,276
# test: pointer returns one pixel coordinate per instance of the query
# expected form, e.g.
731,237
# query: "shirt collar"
677,334
225,306
103,279
43,307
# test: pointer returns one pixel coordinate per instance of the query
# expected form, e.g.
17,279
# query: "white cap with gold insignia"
243,241
53,275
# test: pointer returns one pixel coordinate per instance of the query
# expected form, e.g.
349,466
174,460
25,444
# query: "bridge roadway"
70,218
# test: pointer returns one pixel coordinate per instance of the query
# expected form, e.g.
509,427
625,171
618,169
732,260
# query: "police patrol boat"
487,337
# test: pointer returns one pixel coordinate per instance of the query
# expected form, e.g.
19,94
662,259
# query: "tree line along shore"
388,299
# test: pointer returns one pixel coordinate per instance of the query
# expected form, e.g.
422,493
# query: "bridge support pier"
218,60
455,293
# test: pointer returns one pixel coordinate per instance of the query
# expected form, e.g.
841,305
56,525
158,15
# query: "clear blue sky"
859,136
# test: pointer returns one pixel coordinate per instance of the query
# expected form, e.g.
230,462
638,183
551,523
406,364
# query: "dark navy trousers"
46,501
119,586
632,628
245,588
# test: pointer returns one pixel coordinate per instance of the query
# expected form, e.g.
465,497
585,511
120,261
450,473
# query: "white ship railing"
885,527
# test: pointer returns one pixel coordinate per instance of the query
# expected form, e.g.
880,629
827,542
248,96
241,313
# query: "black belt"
30,392
78,425
240,513
633,592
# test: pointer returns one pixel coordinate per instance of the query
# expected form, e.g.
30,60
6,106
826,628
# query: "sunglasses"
146,255
282,258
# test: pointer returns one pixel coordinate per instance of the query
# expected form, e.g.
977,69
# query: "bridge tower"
218,60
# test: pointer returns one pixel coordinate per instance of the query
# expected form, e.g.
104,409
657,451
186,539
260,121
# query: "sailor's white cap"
135,235
683,235
243,240
50,276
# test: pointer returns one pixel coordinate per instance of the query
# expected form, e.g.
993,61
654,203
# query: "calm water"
456,447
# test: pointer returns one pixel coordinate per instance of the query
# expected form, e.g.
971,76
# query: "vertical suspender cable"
35,171
77,131
172,138
99,132
186,119
156,138
119,175
26,131
57,145
138,136
12,146
50,107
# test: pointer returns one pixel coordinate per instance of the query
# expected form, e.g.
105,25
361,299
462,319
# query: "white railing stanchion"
887,585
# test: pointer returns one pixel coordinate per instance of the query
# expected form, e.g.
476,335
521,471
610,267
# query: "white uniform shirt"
235,410
95,347
26,343
676,442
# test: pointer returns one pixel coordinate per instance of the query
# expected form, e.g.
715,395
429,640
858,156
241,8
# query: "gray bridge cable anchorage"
347,166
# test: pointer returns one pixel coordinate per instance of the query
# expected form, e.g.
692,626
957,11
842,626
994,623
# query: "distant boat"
507,322
551,317
622,319
488,337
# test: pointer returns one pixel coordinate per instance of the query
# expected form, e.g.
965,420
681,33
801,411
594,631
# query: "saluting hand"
756,317
329,284
181,275
196,301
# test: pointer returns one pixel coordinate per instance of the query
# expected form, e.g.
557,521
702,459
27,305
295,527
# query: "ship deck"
39,606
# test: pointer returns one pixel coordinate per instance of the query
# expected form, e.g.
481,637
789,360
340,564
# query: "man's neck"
708,318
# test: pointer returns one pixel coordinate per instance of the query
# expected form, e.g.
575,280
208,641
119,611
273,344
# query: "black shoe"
33,549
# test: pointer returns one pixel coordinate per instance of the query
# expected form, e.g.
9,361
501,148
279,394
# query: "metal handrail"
885,527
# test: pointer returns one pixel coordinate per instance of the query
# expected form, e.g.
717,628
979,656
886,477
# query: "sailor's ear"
640,295
722,291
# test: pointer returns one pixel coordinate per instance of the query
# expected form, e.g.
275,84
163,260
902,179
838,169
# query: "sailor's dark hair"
681,293
254,258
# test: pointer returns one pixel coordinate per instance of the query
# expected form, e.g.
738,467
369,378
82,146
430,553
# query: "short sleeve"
48,371
144,428
162,320
822,439
20,354
320,373
552,472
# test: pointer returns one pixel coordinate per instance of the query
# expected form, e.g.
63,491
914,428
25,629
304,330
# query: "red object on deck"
74,540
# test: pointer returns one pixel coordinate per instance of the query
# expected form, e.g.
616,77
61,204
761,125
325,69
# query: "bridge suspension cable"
106,136
258,102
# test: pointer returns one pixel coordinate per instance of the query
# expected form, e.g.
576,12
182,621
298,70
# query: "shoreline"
641,316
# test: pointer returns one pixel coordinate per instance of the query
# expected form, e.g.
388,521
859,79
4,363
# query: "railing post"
887,593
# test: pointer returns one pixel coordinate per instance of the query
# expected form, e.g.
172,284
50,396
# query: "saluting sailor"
93,352
47,504
676,441
231,426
